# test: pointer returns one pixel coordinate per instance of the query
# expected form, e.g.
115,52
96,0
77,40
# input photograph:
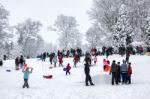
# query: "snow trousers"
114,78
88,79
124,77
129,78
26,83
67,72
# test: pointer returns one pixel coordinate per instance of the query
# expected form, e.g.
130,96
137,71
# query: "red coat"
75,58
130,70
60,59
68,67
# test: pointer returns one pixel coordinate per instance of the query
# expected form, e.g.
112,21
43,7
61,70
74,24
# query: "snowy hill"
73,86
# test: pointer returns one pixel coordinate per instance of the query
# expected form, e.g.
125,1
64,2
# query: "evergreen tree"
123,31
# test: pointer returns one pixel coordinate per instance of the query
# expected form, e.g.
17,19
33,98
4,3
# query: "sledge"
107,68
50,67
147,53
48,76
8,70
17,69
64,69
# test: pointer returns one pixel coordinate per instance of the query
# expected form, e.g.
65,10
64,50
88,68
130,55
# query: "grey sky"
46,12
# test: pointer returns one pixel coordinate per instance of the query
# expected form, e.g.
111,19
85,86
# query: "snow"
73,86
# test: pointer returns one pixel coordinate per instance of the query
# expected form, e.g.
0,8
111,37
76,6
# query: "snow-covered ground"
73,86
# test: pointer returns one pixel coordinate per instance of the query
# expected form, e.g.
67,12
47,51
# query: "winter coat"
105,63
26,74
87,68
75,58
87,60
17,61
95,59
118,68
55,59
21,60
60,59
114,68
124,68
68,68
1,62
130,70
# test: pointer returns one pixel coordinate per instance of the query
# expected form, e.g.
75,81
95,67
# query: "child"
105,63
26,76
60,60
95,59
68,69
55,61
129,73
75,60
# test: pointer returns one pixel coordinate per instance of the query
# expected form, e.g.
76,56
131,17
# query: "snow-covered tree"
28,36
66,27
93,36
147,32
123,31
4,29
107,13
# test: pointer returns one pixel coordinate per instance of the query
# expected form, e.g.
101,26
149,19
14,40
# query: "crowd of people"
121,73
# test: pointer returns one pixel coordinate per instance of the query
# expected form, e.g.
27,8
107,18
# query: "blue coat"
26,74
124,68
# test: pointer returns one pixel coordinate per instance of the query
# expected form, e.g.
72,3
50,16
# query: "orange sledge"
107,68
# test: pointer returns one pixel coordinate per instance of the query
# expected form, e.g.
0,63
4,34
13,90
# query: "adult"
124,72
113,71
87,74
17,63
21,61
1,62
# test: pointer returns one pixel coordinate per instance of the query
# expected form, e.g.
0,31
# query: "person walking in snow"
88,59
51,56
95,59
129,73
87,74
17,63
26,73
1,62
4,57
55,61
75,60
21,61
68,67
60,60
124,72
113,71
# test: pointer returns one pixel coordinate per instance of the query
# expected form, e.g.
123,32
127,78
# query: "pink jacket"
105,63
95,59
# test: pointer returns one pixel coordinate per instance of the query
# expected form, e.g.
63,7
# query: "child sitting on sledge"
26,76
68,67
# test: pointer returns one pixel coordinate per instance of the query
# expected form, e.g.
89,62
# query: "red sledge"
48,76
107,68
50,67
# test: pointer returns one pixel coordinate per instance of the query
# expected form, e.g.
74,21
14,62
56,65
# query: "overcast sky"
46,11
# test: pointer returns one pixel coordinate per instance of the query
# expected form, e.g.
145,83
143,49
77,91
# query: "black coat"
17,61
87,68
114,67
1,62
